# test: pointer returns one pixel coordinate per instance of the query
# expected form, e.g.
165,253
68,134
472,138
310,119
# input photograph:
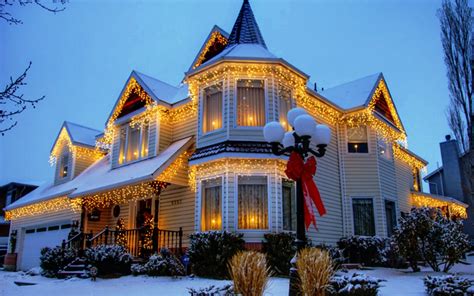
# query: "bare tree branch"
12,103
6,4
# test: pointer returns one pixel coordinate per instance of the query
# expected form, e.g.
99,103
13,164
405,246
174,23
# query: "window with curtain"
250,103
285,104
211,204
252,202
363,213
212,108
64,165
357,140
134,143
391,216
289,205
384,149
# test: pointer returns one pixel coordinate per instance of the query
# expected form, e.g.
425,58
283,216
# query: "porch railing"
134,240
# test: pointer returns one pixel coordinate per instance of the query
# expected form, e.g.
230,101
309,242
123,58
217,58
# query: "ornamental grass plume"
315,269
249,272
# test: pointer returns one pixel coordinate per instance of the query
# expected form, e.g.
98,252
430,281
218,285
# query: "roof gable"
382,103
76,134
214,44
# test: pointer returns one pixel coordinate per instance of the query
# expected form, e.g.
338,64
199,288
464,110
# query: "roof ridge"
80,125
141,73
355,80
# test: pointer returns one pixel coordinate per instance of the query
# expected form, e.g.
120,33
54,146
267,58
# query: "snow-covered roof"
160,90
80,134
99,176
353,94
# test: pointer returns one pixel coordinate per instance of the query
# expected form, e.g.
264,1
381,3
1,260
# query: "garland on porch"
122,195
147,238
422,200
121,238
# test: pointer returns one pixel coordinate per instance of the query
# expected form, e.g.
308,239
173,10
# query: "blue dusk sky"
83,56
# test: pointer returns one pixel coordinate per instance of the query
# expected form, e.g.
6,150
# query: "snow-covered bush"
109,259
354,285
335,253
366,250
425,234
447,285
279,249
54,260
210,251
138,269
390,255
164,264
212,290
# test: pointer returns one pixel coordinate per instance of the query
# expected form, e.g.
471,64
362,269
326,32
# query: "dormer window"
357,140
212,108
250,103
285,104
133,143
64,166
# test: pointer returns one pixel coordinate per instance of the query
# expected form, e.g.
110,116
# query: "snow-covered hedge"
366,250
210,251
212,290
354,285
162,264
54,260
109,259
447,285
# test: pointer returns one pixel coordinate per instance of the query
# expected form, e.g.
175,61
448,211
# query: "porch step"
77,268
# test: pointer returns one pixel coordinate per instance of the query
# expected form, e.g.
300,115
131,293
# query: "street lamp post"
305,131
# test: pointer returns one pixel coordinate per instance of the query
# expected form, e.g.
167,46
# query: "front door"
144,208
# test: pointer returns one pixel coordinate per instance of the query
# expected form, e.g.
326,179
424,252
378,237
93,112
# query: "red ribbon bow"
297,169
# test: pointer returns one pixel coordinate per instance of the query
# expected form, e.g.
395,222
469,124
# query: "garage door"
38,238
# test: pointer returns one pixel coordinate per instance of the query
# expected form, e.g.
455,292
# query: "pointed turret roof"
245,29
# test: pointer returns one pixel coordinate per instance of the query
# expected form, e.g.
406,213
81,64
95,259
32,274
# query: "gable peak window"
64,165
133,143
250,102
212,108
357,140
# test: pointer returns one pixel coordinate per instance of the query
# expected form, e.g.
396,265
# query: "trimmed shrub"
162,264
354,285
446,285
249,272
109,259
366,250
55,259
210,251
279,250
390,255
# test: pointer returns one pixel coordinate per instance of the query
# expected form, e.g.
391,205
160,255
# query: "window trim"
236,202
127,131
265,94
352,213
292,103
201,109
200,190
61,165
370,152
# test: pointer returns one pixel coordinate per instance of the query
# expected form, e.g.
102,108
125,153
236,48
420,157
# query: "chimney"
451,168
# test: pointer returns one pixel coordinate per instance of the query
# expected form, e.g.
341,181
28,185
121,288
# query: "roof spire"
245,29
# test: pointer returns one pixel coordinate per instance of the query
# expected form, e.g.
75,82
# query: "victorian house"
193,157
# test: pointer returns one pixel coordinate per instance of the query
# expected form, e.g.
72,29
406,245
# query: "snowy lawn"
398,282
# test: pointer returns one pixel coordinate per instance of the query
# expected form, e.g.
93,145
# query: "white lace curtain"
252,202
211,205
250,103
212,105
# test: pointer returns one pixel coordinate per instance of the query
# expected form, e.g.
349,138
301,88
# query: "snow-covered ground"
398,282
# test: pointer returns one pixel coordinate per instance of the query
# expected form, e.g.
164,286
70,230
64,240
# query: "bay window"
363,214
357,140
252,200
133,143
250,103
212,108
285,105
289,205
211,204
